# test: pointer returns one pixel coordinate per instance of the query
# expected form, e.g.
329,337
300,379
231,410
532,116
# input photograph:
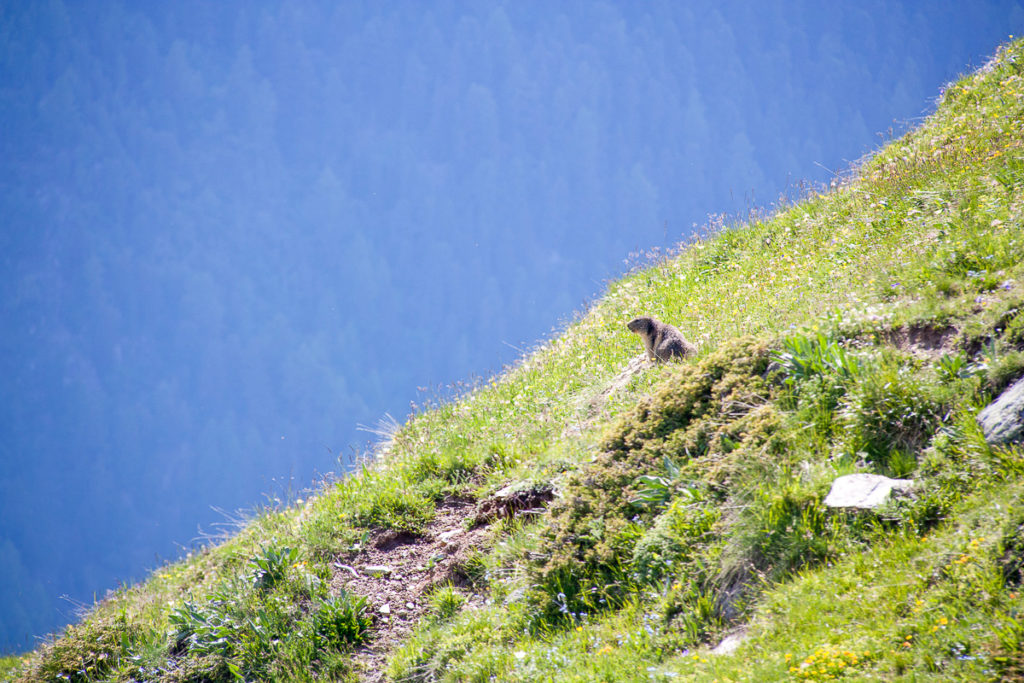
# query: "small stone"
729,644
865,491
347,568
507,491
385,609
377,569
447,536
409,605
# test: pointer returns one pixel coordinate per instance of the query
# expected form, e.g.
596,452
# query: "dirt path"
396,571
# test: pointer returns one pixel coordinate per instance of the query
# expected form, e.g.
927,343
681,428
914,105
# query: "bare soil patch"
396,571
930,341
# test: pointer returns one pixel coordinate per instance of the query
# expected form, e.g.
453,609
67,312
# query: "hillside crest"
589,516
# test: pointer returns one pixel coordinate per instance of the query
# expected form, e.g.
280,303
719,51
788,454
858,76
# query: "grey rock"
864,491
377,569
448,537
1002,421
730,643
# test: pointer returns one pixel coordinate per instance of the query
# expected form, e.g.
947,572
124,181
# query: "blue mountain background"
234,232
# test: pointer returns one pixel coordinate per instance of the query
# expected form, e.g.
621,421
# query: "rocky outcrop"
1002,421
864,491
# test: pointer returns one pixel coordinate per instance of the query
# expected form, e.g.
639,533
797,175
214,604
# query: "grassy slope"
928,236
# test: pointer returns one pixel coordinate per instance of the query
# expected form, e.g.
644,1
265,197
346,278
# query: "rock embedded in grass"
1002,421
865,491
730,643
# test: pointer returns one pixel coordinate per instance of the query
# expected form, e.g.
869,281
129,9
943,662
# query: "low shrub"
342,622
892,408
697,418
271,566
445,602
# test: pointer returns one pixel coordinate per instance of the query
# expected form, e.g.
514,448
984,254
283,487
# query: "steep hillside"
588,516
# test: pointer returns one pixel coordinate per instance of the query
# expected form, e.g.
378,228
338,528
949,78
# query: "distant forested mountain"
231,233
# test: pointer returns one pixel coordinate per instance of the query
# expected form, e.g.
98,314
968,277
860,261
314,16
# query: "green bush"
270,567
954,366
673,539
784,529
445,602
89,651
392,504
342,622
698,420
892,408
805,356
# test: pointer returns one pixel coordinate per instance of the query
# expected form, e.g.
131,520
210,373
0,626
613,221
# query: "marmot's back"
661,340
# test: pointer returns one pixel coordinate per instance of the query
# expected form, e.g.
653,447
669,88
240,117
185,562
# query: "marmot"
661,341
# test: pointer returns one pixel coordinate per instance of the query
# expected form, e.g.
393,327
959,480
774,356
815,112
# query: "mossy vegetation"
859,330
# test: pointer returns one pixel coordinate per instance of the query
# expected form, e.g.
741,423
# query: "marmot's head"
641,325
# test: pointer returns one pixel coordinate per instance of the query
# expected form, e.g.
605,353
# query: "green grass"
860,329
9,665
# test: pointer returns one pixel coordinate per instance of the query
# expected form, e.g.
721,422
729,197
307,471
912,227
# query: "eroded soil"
926,341
396,571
